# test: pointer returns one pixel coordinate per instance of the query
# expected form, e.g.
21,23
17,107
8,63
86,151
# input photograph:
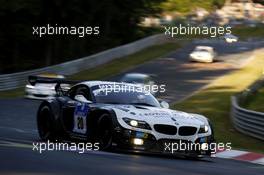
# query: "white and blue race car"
121,115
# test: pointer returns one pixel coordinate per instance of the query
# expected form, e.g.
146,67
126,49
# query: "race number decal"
80,115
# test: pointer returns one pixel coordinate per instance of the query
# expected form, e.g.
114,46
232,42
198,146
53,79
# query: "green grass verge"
255,102
122,64
111,68
214,102
19,92
247,32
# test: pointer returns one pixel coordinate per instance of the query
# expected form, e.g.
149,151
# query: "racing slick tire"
44,123
104,132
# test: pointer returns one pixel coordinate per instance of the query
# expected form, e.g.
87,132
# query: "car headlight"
137,123
28,86
133,123
203,129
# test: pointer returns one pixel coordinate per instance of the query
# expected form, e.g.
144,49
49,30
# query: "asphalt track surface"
18,126
183,77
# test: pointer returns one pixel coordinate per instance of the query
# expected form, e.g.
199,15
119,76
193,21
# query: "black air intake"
187,130
166,129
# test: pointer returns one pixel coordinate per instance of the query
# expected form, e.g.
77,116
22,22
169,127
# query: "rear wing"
33,79
62,85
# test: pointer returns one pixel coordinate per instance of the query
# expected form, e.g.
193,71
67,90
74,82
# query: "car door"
75,112
81,110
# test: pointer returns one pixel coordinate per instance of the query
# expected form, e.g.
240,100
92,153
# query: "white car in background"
205,54
229,38
139,79
42,86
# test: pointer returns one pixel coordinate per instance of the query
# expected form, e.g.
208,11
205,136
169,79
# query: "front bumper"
145,142
201,59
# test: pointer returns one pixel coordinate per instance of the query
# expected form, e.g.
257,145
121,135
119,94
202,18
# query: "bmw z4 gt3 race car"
121,115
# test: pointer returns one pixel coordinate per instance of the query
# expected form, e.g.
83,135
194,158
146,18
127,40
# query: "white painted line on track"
259,161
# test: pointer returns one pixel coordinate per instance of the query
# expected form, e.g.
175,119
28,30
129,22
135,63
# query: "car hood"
155,115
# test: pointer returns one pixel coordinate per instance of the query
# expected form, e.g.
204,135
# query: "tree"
186,6
118,21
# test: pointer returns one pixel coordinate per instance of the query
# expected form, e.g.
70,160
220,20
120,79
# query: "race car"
42,86
229,38
205,54
121,116
139,79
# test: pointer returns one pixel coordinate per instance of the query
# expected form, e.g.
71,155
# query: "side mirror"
164,104
81,98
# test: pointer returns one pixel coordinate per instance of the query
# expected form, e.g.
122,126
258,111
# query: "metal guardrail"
247,121
15,80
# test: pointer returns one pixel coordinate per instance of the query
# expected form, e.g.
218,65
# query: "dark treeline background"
20,50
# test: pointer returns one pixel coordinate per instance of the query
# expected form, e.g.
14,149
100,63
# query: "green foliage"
244,32
255,102
117,19
186,6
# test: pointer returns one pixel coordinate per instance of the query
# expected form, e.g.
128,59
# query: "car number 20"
80,115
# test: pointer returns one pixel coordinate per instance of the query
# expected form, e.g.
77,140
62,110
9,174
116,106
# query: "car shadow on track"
162,156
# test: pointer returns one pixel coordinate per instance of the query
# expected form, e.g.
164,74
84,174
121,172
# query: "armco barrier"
247,121
15,80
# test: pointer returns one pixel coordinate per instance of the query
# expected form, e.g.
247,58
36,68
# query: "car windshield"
201,50
123,94
132,79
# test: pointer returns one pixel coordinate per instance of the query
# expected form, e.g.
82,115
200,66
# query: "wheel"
104,132
44,123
